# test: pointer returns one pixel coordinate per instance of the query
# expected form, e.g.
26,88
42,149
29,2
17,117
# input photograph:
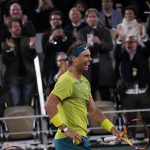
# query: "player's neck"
75,72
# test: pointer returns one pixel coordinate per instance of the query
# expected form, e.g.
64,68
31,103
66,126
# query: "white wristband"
64,130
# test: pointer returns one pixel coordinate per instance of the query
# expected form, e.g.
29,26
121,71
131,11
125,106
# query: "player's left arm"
100,118
95,113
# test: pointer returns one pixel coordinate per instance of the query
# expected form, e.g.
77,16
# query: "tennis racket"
135,133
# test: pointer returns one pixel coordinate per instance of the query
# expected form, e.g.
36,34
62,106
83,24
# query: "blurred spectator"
99,39
26,5
1,16
140,7
64,6
54,41
148,26
130,26
81,5
40,15
148,20
62,65
18,53
55,19
109,16
76,21
15,12
119,7
134,75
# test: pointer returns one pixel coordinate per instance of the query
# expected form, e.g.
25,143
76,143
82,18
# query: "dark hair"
91,10
132,8
56,12
75,45
13,20
82,3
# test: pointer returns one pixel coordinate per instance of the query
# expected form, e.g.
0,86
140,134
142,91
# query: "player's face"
83,61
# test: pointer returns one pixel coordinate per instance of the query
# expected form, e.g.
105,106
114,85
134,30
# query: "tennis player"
70,101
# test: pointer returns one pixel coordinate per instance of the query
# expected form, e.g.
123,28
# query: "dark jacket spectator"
18,53
134,76
40,15
53,42
77,22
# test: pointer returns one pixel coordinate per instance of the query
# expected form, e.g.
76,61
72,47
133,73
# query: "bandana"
77,51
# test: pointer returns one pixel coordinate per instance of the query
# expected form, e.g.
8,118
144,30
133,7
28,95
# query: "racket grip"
111,138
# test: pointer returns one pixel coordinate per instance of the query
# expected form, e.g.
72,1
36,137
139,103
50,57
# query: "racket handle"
110,138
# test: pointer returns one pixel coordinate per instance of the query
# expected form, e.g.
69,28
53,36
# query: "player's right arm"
52,111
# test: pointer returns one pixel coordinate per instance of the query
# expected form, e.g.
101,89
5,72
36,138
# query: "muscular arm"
51,109
51,105
98,116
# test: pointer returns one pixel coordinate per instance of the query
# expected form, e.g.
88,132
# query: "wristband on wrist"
64,130
107,125
56,120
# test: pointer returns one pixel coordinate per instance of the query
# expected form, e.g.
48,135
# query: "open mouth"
87,65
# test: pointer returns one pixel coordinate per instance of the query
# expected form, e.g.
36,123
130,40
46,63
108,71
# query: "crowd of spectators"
63,22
